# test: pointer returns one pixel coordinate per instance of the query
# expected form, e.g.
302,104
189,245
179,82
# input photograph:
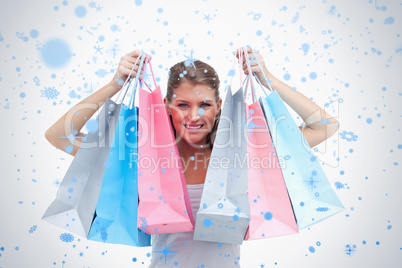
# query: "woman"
194,106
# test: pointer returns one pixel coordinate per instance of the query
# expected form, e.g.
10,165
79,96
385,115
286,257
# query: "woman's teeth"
193,126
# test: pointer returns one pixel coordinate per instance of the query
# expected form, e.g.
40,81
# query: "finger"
255,69
238,51
132,71
149,56
129,70
131,59
135,53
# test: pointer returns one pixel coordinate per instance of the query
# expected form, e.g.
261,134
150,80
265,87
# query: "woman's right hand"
126,64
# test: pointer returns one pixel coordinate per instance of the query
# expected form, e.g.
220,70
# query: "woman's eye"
205,105
182,105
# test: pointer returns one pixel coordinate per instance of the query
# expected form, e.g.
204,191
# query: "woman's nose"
194,115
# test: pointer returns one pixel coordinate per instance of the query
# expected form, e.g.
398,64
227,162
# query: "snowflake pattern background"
344,55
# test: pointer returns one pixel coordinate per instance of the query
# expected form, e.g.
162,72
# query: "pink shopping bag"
164,204
271,212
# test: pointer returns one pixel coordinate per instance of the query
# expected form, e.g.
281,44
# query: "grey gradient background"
363,81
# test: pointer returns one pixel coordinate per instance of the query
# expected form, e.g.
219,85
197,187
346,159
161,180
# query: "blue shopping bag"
309,189
117,208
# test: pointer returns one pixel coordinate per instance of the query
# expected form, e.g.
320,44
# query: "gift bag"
116,210
74,206
224,210
311,195
310,192
164,205
271,212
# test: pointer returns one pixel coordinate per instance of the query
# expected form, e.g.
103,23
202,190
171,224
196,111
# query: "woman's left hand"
257,65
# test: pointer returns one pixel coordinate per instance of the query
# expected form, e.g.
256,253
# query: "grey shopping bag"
77,196
224,211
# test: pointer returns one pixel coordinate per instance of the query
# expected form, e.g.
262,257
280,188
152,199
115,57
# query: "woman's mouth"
190,126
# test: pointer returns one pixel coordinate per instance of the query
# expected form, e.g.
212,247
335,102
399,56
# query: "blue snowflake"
349,249
144,224
322,209
375,50
190,59
332,11
349,136
72,94
50,93
32,229
115,28
101,73
237,210
339,185
104,234
37,81
220,205
67,237
257,16
295,18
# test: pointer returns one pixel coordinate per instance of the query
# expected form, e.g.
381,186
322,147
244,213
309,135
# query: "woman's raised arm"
318,124
68,127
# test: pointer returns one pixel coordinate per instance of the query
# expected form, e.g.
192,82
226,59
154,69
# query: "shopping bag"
164,205
271,212
116,210
74,206
224,210
309,189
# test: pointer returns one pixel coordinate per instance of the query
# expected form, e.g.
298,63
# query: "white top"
180,250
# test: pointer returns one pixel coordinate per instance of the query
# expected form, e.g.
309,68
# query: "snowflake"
92,4
332,11
104,234
32,229
190,60
50,93
237,210
144,224
66,237
101,73
349,249
220,205
322,209
349,136
114,28
36,80
204,205
295,18
339,185
257,16
72,94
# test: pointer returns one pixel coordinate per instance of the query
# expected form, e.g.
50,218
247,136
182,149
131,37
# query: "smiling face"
193,109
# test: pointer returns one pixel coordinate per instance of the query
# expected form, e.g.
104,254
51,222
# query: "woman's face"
193,109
